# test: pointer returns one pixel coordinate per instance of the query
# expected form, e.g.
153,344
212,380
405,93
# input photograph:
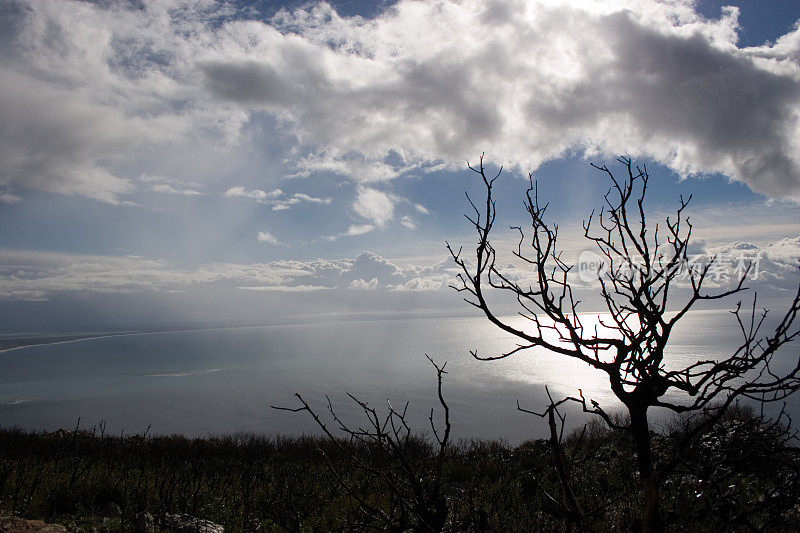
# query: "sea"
226,381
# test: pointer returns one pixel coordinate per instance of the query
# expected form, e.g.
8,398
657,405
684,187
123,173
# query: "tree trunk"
572,510
653,521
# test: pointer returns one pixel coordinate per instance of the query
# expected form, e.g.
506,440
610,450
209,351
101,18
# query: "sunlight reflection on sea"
223,381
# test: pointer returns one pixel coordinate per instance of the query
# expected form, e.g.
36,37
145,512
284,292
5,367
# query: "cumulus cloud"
267,237
33,275
661,81
773,265
770,268
88,86
374,205
363,285
52,141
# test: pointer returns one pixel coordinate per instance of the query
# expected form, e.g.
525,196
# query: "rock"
12,524
144,523
189,524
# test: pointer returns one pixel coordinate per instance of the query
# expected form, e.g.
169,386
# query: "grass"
740,475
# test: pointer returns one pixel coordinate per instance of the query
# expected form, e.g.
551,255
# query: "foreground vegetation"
741,474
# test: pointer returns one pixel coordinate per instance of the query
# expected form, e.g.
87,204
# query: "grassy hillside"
739,475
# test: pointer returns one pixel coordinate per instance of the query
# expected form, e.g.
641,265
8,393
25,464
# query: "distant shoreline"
8,345
15,343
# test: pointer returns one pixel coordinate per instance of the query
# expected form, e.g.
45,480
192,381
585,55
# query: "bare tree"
641,269
577,516
417,491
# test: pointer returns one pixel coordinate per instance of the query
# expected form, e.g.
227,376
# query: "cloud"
169,189
661,82
8,198
256,194
276,198
296,198
357,167
774,265
423,284
52,140
374,205
774,272
353,231
363,285
267,237
408,222
285,288
360,229
34,275
171,186
88,88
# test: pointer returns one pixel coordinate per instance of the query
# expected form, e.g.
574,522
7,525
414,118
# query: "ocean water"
223,381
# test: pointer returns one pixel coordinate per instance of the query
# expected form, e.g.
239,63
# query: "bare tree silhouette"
396,458
641,269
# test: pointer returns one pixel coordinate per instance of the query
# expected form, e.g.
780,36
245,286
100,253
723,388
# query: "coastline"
26,342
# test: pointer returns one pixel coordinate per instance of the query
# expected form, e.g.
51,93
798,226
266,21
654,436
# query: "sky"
176,162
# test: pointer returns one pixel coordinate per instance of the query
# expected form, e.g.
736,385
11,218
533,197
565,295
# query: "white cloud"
52,140
296,198
171,186
34,275
359,229
169,189
425,284
285,288
363,285
661,81
374,205
774,274
421,209
87,88
774,264
314,200
276,198
256,194
8,198
353,231
408,222
357,167
267,237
